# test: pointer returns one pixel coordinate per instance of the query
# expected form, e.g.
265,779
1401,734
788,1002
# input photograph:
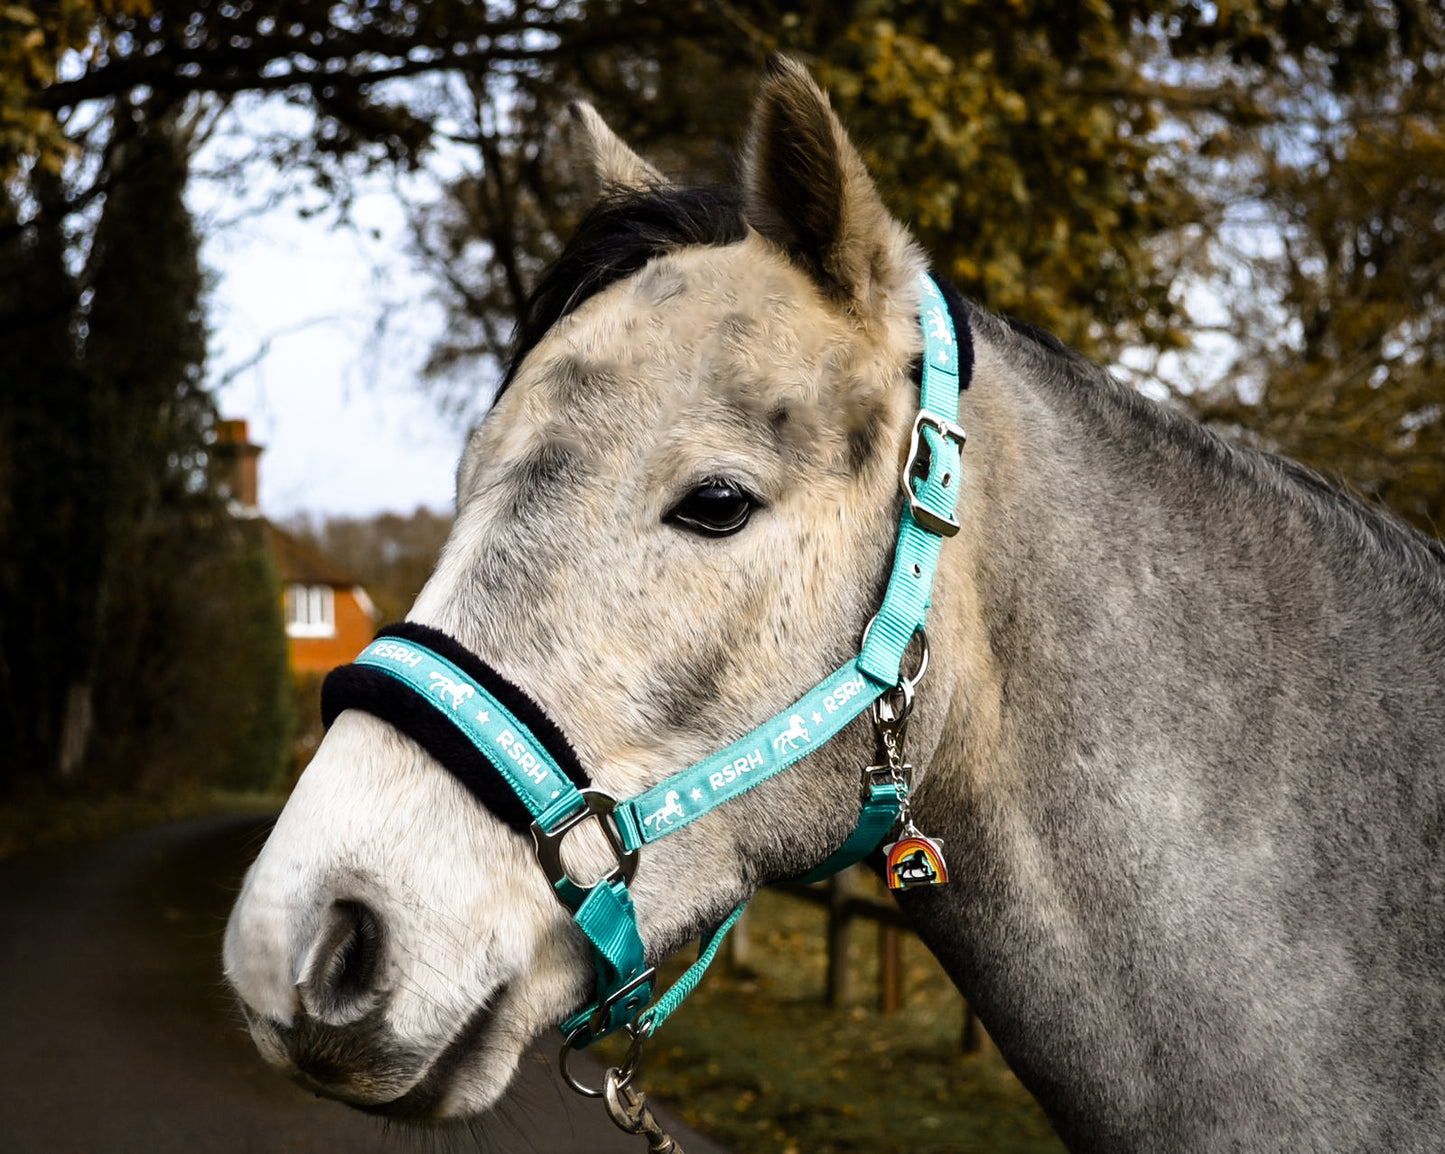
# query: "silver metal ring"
912,682
917,675
625,1072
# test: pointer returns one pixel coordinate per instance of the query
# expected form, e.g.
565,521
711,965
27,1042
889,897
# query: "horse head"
1192,795
677,518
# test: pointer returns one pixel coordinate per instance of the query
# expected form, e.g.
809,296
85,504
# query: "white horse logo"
786,741
451,690
940,326
667,813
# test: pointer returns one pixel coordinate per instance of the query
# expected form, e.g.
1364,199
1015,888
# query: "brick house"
329,617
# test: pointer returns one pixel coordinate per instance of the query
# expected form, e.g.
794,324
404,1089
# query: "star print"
697,795
942,356
483,716
817,719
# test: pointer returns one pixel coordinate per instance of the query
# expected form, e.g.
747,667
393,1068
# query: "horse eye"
715,508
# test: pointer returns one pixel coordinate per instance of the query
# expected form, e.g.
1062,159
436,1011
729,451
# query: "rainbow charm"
915,860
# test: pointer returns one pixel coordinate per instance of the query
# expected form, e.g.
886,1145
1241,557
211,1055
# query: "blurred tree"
141,348
1015,140
1094,167
101,293
126,586
34,39
195,689
42,399
1339,321
190,601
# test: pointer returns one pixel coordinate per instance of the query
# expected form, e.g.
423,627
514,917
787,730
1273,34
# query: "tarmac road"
117,1035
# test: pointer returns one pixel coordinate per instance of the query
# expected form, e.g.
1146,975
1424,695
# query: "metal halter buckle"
595,805
633,997
928,520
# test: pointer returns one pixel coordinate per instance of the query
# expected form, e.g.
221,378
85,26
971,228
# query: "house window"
310,611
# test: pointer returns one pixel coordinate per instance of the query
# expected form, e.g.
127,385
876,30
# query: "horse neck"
1132,625
1116,558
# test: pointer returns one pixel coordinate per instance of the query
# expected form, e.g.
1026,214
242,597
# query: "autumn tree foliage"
1263,179
34,40
1137,177
1341,326
1017,142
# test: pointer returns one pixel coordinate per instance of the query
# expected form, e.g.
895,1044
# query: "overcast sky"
344,419
345,425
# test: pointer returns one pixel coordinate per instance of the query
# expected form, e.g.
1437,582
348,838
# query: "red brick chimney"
236,467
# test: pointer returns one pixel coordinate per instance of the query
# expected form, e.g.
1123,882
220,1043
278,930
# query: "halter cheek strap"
501,745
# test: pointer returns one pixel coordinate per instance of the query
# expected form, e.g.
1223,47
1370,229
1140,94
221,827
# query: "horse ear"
808,191
609,163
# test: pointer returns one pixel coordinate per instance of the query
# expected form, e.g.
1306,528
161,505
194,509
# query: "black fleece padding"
411,712
958,309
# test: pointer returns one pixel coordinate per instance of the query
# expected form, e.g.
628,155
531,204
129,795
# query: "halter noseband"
509,755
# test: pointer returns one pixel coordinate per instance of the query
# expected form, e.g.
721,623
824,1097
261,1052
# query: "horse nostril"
337,983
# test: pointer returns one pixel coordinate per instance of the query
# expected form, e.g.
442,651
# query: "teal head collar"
504,749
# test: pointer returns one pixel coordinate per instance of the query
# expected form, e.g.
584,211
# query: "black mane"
624,231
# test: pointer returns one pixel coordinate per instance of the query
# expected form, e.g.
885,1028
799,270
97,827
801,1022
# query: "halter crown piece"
505,750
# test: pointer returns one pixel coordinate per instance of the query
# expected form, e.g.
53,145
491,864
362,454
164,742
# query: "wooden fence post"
739,945
975,1038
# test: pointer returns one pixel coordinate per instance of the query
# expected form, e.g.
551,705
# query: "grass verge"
759,1062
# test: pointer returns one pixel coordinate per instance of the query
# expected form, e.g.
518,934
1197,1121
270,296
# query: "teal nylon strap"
905,605
814,719
523,762
624,981
880,810
771,748
604,912
677,993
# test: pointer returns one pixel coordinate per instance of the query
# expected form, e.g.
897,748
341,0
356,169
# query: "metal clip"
629,1112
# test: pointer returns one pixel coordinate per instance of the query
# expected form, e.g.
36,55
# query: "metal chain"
900,773
629,1111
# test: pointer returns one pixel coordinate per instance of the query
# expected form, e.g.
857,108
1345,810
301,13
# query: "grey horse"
1183,739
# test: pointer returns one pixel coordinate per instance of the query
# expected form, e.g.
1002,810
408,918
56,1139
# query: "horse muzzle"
327,1027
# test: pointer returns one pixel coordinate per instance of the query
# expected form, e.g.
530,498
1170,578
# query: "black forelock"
624,230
